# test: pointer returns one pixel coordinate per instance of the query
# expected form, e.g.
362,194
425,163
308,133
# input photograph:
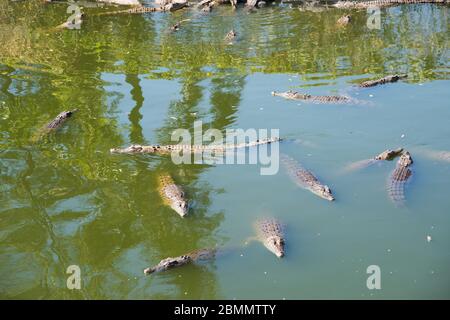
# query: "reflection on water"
65,200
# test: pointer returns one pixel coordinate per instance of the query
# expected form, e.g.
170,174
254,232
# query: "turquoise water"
67,201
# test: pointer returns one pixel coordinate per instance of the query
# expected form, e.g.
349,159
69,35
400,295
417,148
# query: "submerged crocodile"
381,3
173,262
399,177
385,155
440,155
291,95
384,80
53,125
173,195
177,25
305,179
230,35
270,232
60,119
191,148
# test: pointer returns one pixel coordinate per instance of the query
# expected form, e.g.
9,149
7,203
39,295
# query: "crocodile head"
275,244
168,263
389,154
400,76
181,206
405,160
323,192
71,112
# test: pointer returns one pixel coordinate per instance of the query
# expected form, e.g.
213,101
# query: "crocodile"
399,177
53,125
173,6
74,23
389,154
60,119
190,148
440,155
84,4
177,25
385,155
271,233
172,195
381,3
173,262
292,95
230,35
344,20
305,179
384,80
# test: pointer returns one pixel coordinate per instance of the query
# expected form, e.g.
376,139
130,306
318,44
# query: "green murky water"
66,200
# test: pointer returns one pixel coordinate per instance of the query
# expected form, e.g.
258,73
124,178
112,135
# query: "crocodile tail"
396,187
396,191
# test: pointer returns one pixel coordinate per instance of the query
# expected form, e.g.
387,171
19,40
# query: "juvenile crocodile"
385,155
344,20
380,3
173,262
172,195
291,95
384,80
305,179
270,232
399,177
190,148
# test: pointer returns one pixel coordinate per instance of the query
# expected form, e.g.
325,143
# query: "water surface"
66,200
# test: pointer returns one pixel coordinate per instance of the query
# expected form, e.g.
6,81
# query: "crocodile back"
173,195
269,227
398,179
60,119
202,254
298,174
397,182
